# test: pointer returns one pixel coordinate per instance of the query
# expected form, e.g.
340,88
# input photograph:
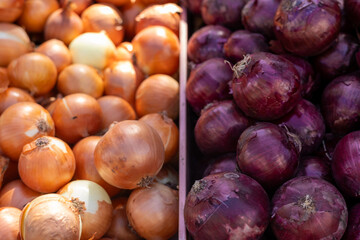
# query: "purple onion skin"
353,229
208,42
208,82
340,103
309,83
307,28
226,206
194,6
219,128
346,164
308,208
268,154
266,86
339,58
223,163
222,12
243,42
313,166
258,16
307,123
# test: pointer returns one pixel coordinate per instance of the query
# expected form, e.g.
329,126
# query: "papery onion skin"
223,163
207,42
353,231
78,5
16,194
124,52
223,200
208,82
10,10
268,153
346,164
129,155
96,214
219,127
306,121
149,2
308,207
9,223
307,28
313,166
340,103
153,212
13,95
50,216
258,16
266,86
242,42
22,123
46,164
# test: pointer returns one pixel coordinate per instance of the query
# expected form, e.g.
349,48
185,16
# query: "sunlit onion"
9,223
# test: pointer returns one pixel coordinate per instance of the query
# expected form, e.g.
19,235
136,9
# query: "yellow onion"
9,223
16,194
10,10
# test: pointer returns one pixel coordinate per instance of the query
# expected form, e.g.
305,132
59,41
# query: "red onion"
340,103
193,5
307,123
314,167
307,28
308,207
266,86
222,163
339,58
219,127
353,230
258,16
207,43
208,82
268,153
222,12
243,42
226,206
346,164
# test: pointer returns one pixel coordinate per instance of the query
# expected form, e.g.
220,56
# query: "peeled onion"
16,194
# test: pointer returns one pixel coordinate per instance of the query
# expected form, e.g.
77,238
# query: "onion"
208,82
157,49
49,216
307,28
168,176
314,167
9,223
96,213
258,16
243,42
85,164
339,58
346,164
153,212
227,206
268,153
150,2
93,49
13,95
124,52
222,12
167,15
129,12
222,163
129,155
16,194
167,130
115,2
80,78
10,10
207,42
194,6
4,80
307,123
63,24
115,109
158,93
308,207
46,164
39,8
353,231
57,51
78,5
219,127
77,116
265,86
22,123
122,79
34,72
101,17
340,103
14,42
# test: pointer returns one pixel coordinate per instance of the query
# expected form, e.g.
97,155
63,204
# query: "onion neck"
198,186
240,66
42,125
42,142
78,205
307,203
145,181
